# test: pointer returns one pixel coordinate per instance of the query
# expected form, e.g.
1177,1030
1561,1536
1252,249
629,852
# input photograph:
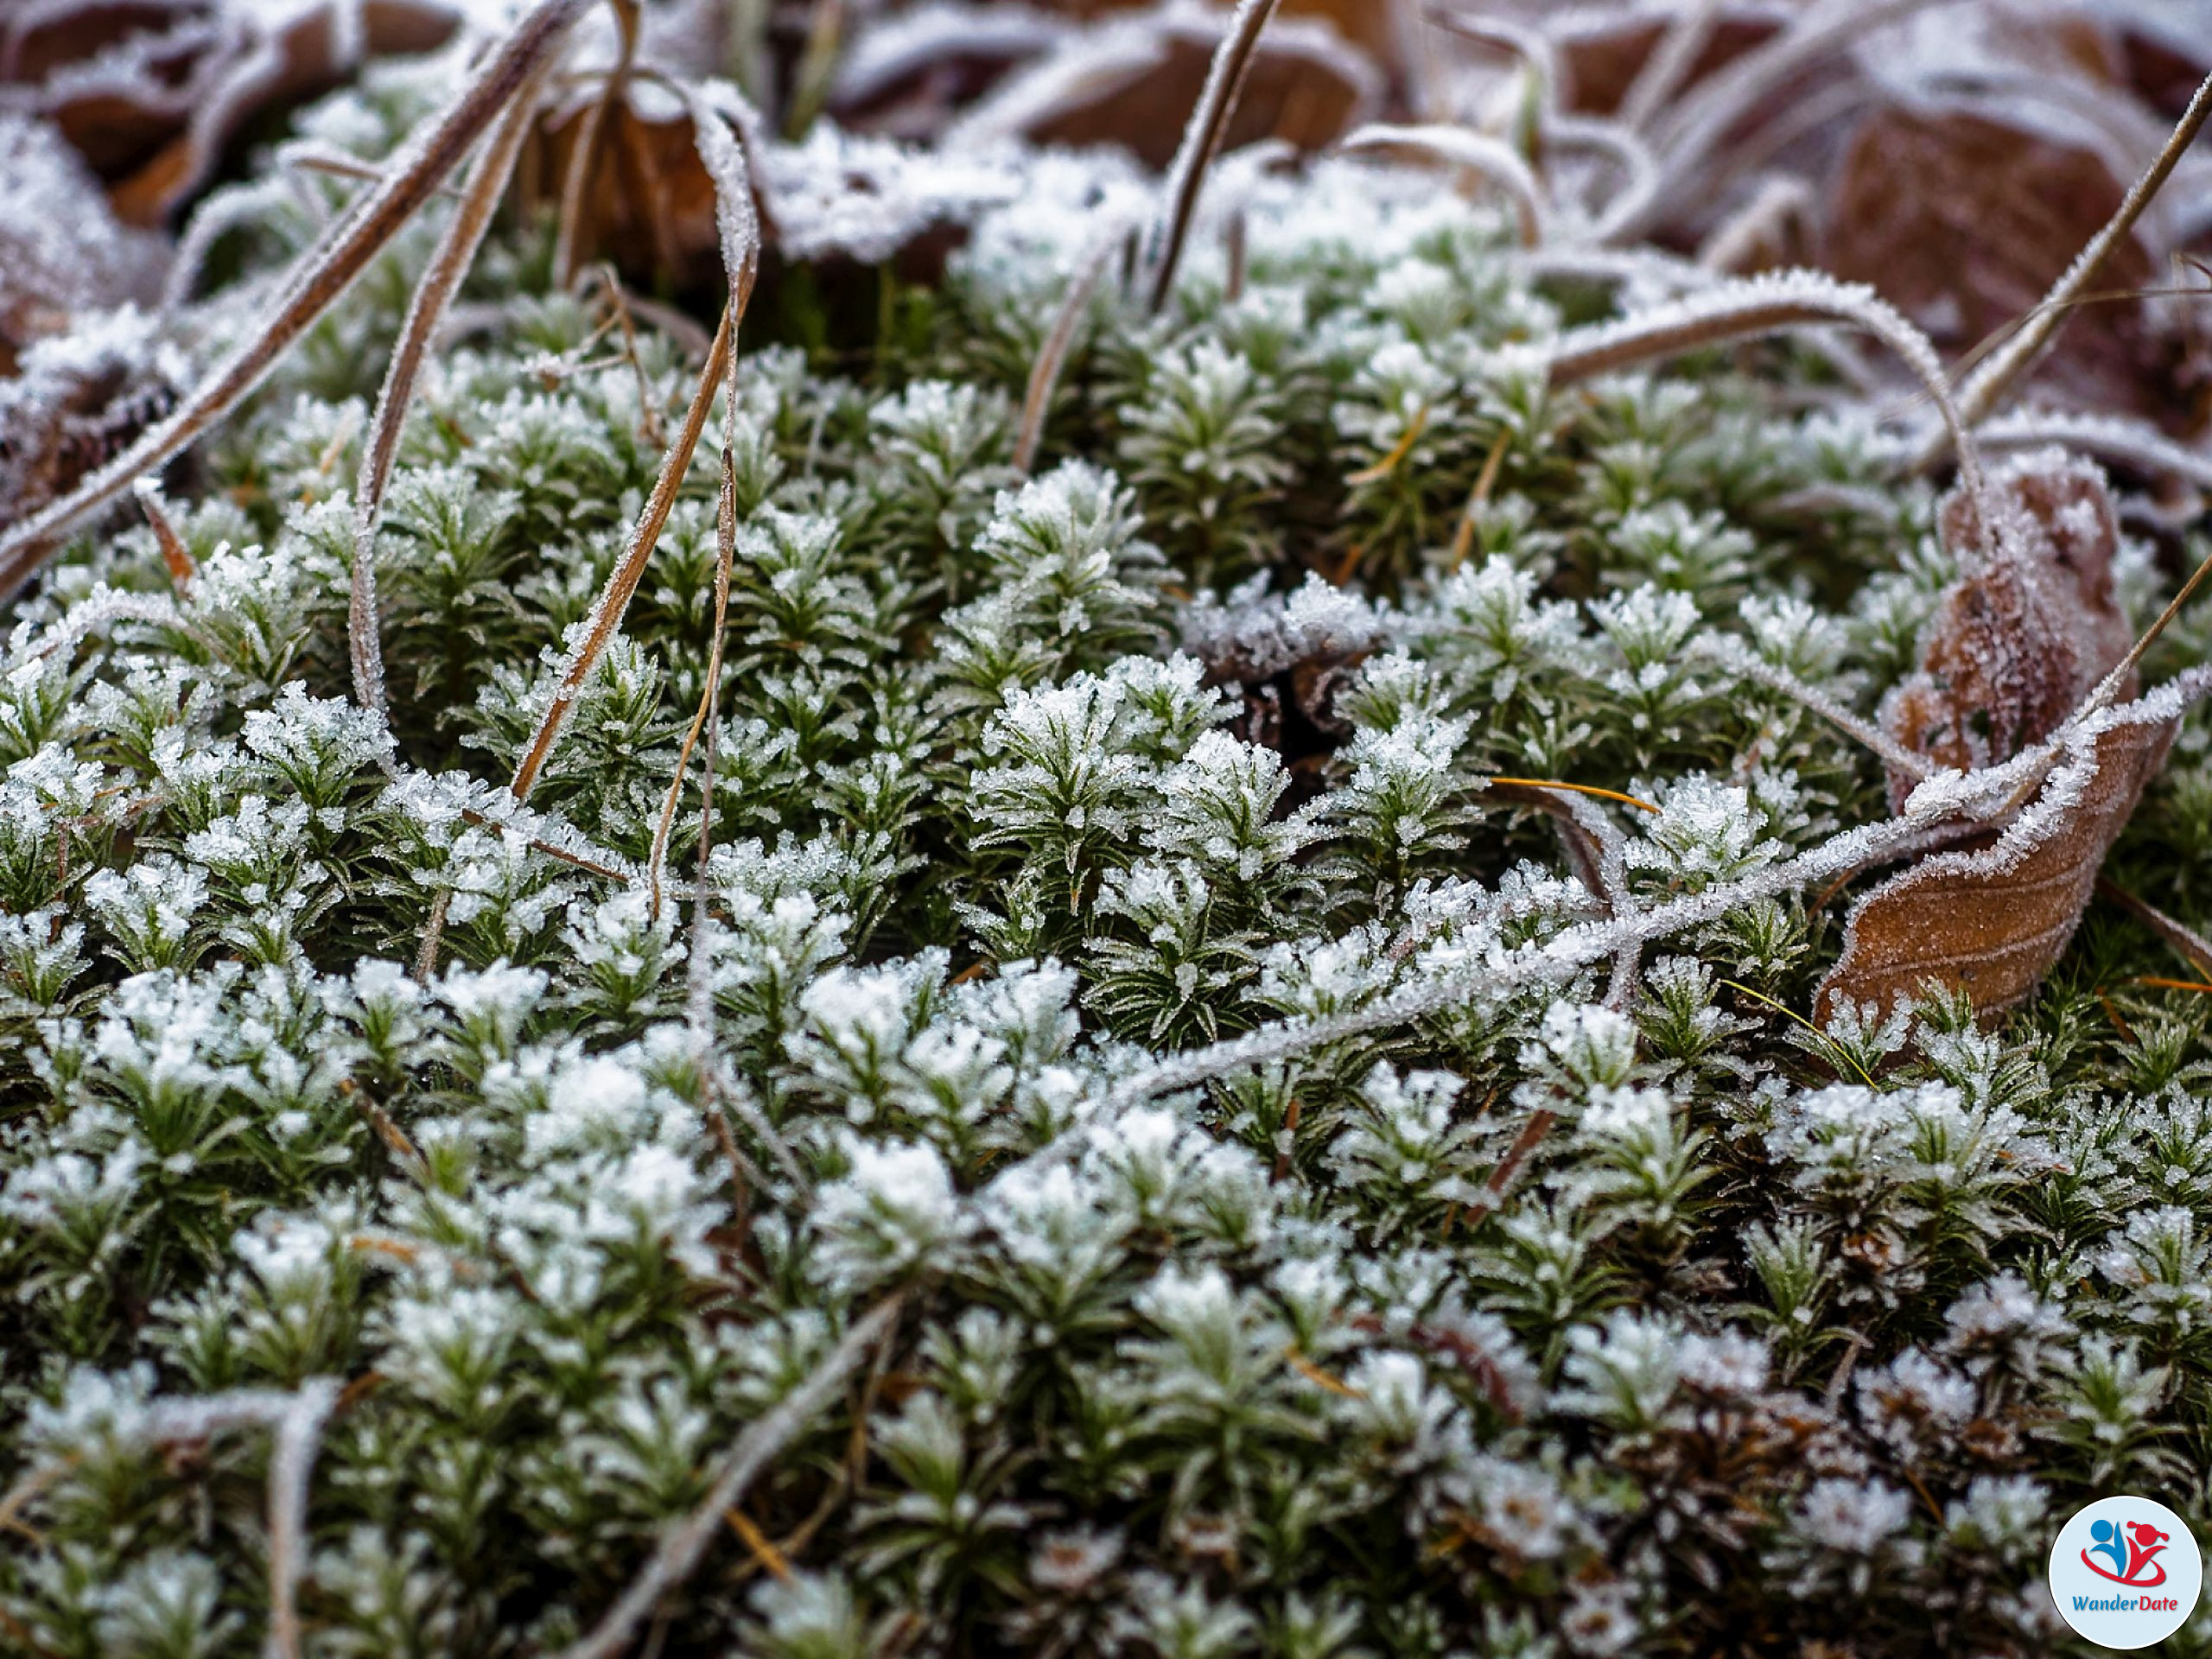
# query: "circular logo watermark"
2125,1572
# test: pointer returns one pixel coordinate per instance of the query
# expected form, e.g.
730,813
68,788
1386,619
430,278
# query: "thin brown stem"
2182,939
1999,372
1052,355
174,554
456,252
583,164
1202,140
629,571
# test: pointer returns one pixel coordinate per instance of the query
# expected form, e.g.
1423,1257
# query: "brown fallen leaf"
2017,641
62,252
2020,641
1991,921
1962,218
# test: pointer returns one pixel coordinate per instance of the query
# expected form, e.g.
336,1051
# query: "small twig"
1202,141
648,406
683,1543
1998,374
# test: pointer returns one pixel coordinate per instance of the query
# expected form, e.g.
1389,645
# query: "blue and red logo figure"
2133,1547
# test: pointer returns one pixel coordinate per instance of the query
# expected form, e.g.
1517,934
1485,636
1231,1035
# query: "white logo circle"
2125,1573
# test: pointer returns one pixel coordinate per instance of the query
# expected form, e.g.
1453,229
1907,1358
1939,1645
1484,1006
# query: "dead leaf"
2018,642
1963,219
1992,922
73,409
62,252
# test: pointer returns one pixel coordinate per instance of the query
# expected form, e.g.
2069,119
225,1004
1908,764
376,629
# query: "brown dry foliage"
1963,220
2020,641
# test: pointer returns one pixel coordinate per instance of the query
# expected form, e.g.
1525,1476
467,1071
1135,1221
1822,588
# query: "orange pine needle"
1581,789
1321,1379
764,1550
1390,463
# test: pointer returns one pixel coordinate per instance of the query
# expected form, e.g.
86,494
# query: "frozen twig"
1998,372
684,1543
1475,154
1735,657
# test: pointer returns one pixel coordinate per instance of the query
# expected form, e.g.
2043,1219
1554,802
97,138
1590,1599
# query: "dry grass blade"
2184,940
456,252
739,230
1477,155
315,283
2135,444
1986,387
584,165
298,1434
174,554
1664,73
629,569
1638,168
683,1543
1052,355
1686,134
1765,305
1202,139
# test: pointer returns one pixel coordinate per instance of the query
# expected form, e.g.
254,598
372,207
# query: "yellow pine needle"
1390,463
764,1550
2173,984
1580,789
1788,1012
1320,1379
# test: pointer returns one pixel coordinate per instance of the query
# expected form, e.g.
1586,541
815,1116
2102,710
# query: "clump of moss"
1585,1309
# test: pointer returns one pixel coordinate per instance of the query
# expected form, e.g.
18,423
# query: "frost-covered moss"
1023,786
